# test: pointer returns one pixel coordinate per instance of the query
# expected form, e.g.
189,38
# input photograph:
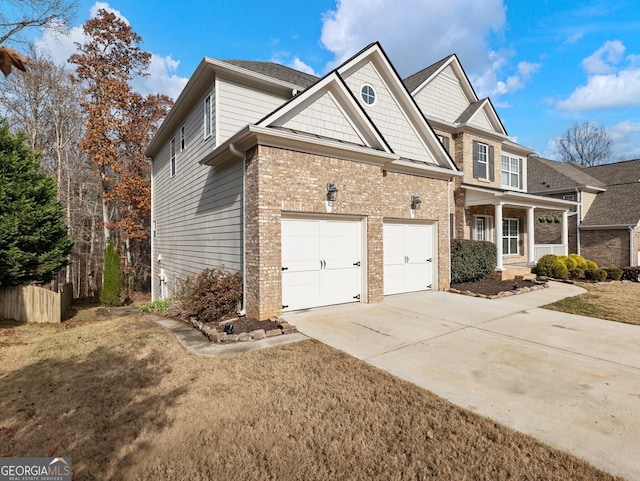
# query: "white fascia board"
484,196
511,147
348,105
420,168
253,135
605,227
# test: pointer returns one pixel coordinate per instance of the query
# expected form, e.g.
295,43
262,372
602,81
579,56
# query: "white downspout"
237,153
578,220
631,246
449,226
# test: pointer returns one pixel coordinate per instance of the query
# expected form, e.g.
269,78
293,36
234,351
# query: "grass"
125,401
615,301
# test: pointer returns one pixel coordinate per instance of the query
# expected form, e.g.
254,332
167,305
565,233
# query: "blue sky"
545,63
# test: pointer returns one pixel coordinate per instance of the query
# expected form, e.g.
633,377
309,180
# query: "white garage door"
321,262
408,257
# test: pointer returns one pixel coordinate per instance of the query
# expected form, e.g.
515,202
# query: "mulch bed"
247,325
490,287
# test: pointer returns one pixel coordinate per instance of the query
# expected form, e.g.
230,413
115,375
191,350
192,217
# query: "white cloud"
162,77
609,85
617,90
301,66
626,140
414,33
488,85
605,58
574,38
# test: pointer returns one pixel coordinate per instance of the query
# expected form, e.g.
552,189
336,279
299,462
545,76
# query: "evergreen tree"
33,238
111,278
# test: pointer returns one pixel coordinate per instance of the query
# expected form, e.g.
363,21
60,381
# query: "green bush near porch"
471,260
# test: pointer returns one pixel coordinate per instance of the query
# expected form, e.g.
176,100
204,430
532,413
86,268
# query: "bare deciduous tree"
586,144
18,15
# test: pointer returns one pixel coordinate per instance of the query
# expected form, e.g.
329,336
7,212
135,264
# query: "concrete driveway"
571,381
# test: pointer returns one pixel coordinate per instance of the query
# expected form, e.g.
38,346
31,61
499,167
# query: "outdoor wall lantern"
415,205
332,195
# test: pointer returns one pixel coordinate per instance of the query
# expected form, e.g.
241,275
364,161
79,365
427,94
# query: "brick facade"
606,248
283,182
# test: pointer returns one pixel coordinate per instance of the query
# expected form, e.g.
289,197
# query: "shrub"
213,295
614,273
598,275
576,273
631,274
591,265
112,278
160,306
471,260
551,265
580,261
568,261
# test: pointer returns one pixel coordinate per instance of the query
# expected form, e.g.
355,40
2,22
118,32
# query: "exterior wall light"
332,195
415,202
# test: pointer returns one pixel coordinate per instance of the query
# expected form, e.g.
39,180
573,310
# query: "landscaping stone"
244,336
232,338
258,334
273,332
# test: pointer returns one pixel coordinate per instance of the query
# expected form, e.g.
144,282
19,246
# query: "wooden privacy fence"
35,304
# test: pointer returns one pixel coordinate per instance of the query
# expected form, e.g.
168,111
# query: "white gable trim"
453,61
405,101
339,92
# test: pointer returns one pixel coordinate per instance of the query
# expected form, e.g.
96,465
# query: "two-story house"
337,189
604,226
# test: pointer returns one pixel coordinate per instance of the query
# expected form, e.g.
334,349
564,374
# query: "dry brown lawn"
126,402
615,301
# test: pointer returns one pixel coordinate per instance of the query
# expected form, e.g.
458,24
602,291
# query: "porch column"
498,216
531,244
564,239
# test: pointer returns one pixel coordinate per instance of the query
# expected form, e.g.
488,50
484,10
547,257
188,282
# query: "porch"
511,219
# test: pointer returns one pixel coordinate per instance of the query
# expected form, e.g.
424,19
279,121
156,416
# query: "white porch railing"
543,249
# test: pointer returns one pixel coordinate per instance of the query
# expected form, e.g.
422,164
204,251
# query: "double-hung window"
483,161
509,236
572,198
172,148
511,172
183,139
207,117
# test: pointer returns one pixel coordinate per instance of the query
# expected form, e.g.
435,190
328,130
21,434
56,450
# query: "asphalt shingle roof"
277,71
617,173
471,109
414,81
557,175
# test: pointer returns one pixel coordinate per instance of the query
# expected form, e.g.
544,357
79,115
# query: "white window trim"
571,197
509,172
208,117
172,157
488,227
485,161
504,236
375,95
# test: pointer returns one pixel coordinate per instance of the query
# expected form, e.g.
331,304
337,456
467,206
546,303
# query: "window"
207,117
482,227
444,141
483,161
571,197
368,94
173,156
183,139
511,172
509,236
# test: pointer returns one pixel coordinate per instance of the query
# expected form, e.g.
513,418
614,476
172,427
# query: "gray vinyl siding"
443,98
388,115
239,105
198,213
481,120
325,118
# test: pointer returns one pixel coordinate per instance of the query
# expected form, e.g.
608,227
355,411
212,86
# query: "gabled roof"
620,204
414,81
277,71
544,175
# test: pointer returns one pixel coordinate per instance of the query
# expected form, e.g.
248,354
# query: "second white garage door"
408,257
321,262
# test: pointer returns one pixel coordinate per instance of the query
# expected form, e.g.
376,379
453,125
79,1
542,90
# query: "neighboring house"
246,165
605,224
